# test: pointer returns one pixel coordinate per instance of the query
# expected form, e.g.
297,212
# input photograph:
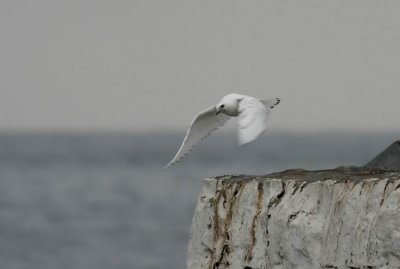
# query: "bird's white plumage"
253,116
201,126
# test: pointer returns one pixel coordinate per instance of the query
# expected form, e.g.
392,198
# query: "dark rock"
388,160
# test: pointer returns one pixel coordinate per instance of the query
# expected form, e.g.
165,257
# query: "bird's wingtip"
171,163
277,102
167,166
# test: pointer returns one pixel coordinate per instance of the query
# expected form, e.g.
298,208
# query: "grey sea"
99,201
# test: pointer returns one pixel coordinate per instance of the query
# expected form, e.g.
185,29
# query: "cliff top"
384,165
341,173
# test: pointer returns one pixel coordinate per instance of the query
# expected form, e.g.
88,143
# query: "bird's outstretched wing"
201,126
253,117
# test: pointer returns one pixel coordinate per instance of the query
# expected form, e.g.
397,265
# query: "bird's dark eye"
222,106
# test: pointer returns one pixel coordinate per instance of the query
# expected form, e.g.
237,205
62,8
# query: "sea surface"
102,201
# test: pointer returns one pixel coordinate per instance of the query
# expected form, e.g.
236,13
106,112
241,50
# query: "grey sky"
143,65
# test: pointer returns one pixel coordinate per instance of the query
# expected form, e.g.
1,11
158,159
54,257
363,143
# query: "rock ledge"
342,218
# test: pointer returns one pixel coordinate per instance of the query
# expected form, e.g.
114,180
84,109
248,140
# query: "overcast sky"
149,65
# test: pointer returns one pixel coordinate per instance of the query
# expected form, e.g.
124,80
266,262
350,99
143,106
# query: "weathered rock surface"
341,218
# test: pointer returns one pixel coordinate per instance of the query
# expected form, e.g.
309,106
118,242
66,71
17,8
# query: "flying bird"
251,112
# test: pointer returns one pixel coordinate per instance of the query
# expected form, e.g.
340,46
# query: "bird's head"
229,105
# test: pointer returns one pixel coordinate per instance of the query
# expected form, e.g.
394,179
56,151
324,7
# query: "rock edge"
342,218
